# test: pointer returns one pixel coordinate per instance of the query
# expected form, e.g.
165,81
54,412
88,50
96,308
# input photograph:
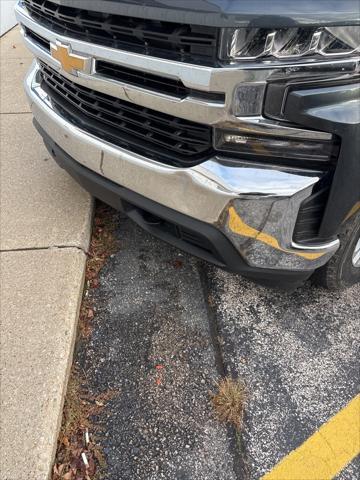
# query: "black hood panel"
228,13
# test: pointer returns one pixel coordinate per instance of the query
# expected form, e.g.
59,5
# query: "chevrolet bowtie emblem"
70,62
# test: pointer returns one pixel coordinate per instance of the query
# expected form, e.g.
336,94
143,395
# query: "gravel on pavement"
168,326
152,345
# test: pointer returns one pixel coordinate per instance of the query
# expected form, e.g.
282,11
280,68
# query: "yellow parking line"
237,225
354,209
323,455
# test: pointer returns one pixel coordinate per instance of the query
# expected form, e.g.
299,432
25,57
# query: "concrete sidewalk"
45,230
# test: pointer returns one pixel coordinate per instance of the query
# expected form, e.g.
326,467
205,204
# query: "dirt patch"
78,455
103,244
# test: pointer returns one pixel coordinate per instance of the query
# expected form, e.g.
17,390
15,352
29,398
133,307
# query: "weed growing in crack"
229,401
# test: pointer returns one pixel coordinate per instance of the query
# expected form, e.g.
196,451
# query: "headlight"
287,43
271,147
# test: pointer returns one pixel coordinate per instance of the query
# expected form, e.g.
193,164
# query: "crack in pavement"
50,247
235,438
152,344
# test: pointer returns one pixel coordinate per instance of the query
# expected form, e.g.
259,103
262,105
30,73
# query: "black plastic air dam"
200,239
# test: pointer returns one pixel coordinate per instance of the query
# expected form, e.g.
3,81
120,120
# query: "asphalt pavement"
152,345
167,326
299,355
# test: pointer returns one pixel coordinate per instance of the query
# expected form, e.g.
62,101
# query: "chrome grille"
151,133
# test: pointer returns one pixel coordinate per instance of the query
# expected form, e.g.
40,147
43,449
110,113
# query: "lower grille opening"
310,216
150,133
166,228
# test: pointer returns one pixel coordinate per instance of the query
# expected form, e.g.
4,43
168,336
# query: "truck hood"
232,13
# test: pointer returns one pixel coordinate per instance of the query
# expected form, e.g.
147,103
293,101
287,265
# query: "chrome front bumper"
255,206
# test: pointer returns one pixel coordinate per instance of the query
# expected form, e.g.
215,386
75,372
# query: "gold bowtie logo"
70,62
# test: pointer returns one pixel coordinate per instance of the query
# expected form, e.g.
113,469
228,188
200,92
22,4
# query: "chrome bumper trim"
255,206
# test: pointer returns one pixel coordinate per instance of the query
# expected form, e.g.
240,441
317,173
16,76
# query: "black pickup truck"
229,128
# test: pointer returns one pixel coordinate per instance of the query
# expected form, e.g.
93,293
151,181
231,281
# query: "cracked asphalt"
168,326
299,355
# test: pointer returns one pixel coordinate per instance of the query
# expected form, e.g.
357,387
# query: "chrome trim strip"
314,248
263,126
356,255
255,206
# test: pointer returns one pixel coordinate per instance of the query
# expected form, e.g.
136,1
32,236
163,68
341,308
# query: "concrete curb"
38,332
46,223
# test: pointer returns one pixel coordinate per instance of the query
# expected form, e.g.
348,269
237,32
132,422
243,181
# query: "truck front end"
226,130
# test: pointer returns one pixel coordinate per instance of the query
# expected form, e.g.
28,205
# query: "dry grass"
229,401
79,408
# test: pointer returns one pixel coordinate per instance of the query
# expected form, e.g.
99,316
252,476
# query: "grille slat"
142,79
154,134
192,43
123,114
153,82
